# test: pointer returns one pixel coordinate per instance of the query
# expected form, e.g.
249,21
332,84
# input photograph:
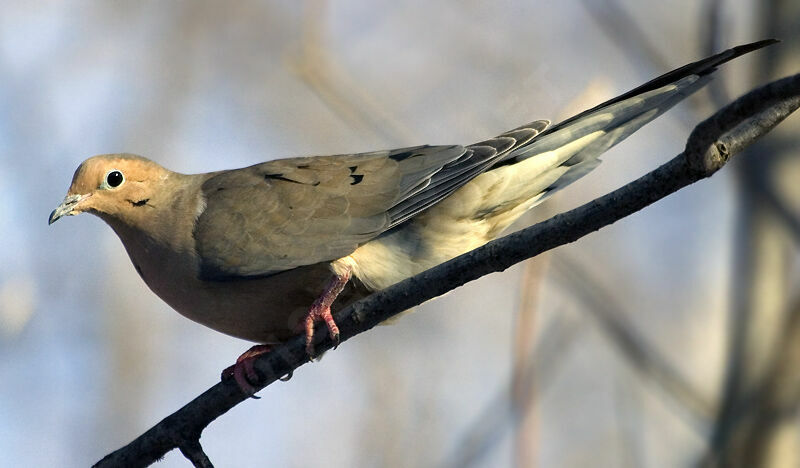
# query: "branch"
709,147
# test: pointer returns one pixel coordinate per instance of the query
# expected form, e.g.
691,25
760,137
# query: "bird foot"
320,311
244,372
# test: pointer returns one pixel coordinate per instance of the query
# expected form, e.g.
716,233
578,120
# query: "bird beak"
67,207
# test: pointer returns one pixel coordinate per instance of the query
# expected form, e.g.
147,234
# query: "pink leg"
321,311
244,371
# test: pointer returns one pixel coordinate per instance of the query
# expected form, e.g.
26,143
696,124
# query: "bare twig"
624,30
761,411
711,33
778,204
644,359
335,88
498,417
709,147
524,341
195,454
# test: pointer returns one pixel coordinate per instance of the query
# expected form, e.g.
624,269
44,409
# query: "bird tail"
570,149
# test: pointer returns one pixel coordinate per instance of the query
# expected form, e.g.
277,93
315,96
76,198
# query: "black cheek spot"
139,202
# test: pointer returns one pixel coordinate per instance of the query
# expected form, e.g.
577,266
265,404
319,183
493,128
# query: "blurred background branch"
757,424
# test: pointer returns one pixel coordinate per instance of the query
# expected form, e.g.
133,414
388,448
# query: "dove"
264,252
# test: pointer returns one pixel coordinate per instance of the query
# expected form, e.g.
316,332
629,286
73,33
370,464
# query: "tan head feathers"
109,185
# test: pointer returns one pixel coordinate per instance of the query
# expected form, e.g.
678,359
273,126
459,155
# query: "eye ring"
114,178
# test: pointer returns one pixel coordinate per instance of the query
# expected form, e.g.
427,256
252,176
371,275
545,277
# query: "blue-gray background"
89,358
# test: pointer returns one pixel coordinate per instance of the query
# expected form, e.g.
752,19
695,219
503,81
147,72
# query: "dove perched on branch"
263,252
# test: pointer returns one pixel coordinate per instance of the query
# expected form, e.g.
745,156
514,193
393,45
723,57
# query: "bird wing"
286,213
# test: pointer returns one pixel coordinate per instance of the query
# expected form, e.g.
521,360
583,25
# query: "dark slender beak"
66,207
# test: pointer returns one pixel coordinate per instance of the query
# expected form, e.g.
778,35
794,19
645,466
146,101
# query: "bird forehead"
91,173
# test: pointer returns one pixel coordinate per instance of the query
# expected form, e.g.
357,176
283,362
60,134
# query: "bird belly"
259,309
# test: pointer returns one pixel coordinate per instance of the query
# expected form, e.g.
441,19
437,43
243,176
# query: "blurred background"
671,338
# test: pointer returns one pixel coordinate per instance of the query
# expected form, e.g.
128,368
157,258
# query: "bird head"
115,186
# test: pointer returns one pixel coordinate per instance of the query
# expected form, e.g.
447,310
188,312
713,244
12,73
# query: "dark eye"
114,179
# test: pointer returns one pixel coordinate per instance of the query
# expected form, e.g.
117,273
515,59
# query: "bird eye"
114,178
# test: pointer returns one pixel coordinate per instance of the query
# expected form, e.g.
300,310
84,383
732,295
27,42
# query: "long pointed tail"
571,148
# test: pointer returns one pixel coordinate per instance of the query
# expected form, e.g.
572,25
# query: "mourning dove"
262,252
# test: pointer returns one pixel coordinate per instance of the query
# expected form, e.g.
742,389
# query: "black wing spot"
286,179
401,156
357,178
279,177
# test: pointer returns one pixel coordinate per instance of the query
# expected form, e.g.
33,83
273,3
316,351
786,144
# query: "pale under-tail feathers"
604,128
617,119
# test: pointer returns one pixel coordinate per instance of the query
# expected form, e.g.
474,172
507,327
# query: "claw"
319,314
244,371
321,311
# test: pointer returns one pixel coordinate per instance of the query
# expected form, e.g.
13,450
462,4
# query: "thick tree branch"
708,148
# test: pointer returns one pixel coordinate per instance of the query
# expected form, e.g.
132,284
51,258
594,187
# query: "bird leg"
321,309
244,371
